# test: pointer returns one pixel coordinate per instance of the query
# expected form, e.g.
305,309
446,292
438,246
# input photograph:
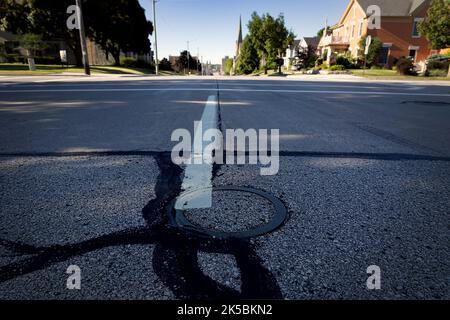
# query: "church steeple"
238,46
239,40
240,30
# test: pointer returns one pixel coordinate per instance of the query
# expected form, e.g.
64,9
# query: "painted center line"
198,174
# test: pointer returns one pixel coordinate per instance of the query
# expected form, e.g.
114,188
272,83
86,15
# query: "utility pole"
156,39
189,65
87,69
198,59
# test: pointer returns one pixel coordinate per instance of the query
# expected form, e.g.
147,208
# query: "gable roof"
312,41
294,44
389,8
393,8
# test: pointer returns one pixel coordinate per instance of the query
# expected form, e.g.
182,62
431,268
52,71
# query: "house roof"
312,41
294,44
396,8
389,8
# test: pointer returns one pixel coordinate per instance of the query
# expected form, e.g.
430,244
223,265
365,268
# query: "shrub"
337,67
311,62
374,50
375,68
438,65
165,65
345,61
272,65
405,66
438,57
146,65
128,62
437,73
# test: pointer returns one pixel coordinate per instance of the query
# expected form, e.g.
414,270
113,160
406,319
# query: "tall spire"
239,40
240,30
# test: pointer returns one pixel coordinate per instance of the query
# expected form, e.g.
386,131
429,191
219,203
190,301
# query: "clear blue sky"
212,25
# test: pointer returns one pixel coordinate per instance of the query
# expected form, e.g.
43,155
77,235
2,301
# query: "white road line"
199,176
415,88
366,93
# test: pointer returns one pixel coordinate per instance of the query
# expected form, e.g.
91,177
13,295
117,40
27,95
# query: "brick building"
397,29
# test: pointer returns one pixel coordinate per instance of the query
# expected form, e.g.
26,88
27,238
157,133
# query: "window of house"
415,31
360,28
413,53
353,31
384,55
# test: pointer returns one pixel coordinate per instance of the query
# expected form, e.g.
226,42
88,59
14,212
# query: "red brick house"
397,29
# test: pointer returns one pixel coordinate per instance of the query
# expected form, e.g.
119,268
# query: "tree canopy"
116,25
436,27
320,33
269,38
248,59
374,50
182,62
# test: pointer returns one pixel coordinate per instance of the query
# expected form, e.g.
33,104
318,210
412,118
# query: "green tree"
165,65
116,25
374,50
122,26
436,27
228,66
14,16
32,44
320,33
248,59
270,38
182,62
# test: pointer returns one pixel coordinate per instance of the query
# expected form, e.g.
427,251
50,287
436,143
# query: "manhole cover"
237,212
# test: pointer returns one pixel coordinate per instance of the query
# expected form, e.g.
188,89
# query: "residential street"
86,179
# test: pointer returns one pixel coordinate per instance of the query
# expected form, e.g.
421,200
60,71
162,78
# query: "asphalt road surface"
86,179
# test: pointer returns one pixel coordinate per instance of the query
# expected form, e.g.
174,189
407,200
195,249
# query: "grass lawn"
392,75
22,69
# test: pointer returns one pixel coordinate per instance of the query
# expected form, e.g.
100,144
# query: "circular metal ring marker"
179,220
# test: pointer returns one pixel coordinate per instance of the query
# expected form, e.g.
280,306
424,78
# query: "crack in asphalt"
393,138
